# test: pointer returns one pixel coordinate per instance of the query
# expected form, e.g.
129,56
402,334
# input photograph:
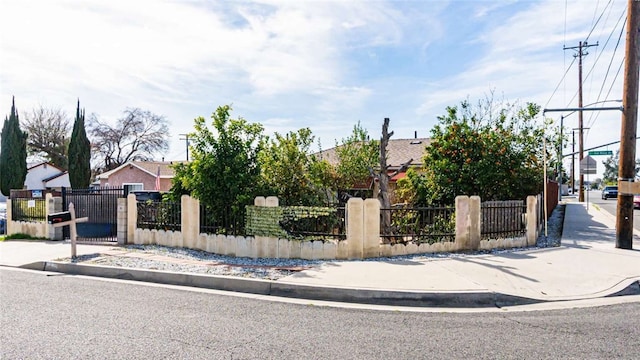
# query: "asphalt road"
610,206
69,317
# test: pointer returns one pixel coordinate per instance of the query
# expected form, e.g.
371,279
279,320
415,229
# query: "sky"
325,65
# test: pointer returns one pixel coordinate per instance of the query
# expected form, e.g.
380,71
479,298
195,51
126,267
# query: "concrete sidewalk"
587,265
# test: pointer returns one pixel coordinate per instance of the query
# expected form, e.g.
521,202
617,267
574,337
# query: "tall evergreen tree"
13,153
79,154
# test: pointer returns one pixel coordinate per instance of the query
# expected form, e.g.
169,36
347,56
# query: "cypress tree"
13,153
79,154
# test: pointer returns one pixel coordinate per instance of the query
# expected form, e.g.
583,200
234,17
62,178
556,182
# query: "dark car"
147,195
609,192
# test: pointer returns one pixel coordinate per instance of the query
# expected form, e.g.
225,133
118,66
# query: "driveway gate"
100,206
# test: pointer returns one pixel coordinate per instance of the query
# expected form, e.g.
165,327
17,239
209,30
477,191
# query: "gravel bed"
273,269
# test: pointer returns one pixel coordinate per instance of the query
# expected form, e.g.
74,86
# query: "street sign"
601,152
588,166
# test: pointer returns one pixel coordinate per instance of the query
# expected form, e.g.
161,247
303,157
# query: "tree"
492,151
79,153
137,136
224,171
13,153
287,168
48,130
610,175
356,156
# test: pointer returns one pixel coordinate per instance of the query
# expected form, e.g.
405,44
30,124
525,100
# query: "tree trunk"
383,183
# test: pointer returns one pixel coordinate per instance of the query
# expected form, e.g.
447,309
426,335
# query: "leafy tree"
137,136
13,153
79,154
610,175
48,130
494,153
288,169
224,170
357,155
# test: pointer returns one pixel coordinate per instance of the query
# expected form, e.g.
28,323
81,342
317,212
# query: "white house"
46,176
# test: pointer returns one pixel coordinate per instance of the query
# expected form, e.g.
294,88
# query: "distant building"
139,175
399,151
45,176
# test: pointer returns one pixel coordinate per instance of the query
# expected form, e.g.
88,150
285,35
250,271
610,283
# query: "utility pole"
573,162
581,52
626,171
186,139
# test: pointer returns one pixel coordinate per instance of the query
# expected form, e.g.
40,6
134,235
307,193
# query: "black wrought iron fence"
28,209
503,219
418,224
309,223
159,215
227,222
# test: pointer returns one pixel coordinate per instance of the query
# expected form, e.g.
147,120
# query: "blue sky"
320,64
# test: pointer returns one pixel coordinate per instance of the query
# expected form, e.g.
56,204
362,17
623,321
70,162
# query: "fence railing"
223,223
159,215
28,210
419,224
311,223
503,219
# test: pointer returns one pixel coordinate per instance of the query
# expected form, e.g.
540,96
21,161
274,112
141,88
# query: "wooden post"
72,226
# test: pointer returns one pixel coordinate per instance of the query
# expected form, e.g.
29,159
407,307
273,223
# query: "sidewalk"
587,265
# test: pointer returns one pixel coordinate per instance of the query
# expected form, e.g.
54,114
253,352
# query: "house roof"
399,151
150,167
43,163
54,176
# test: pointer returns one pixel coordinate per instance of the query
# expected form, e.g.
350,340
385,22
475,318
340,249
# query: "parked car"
3,218
636,201
142,195
609,192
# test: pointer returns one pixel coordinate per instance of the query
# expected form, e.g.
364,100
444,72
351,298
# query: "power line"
560,83
597,21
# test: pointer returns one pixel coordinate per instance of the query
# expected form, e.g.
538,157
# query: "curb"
475,299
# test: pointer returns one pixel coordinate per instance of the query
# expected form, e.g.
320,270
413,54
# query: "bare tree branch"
137,136
48,134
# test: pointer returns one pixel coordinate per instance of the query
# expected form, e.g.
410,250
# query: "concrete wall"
362,241
40,229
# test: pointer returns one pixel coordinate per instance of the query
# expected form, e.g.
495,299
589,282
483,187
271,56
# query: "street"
57,316
610,205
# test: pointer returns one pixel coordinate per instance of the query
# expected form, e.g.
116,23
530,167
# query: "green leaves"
492,152
13,154
224,173
79,154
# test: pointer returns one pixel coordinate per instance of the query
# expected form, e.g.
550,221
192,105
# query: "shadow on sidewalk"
582,230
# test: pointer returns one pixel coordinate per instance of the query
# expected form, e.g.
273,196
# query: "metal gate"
100,205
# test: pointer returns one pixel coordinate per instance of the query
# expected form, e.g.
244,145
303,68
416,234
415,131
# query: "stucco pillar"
462,222
132,218
190,221
532,220
371,221
355,228
475,227
122,221
54,205
9,224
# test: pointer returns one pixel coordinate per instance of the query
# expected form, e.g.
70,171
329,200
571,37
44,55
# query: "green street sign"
602,152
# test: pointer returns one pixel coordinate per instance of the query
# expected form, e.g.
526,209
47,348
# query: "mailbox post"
68,218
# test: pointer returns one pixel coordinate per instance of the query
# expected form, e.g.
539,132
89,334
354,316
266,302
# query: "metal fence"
419,224
310,223
159,215
28,209
227,222
100,206
503,219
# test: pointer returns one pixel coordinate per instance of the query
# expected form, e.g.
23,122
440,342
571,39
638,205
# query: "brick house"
139,175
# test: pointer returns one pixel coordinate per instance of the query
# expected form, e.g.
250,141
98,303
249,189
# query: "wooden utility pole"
626,170
581,52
